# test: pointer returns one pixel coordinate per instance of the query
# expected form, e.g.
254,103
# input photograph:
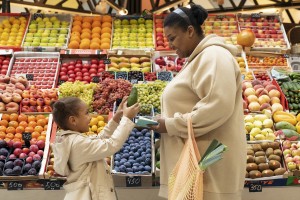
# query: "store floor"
274,193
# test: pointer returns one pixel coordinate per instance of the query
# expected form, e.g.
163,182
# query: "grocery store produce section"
44,57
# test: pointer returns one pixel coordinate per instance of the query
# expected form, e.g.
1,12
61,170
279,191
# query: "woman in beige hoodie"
81,158
209,88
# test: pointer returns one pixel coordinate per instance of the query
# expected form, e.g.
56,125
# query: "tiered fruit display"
96,125
135,157
267,62
292,94
78,89
129,64
261,95
11,92
50,169
81,70
47,31
168,63
291,152
287,125
161,41
222,25
91,32
107,92
37,100
133,33
43,70
12,30
4,63
267,30
149,93
264,160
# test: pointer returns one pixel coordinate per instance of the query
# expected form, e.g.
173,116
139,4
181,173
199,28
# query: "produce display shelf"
83,52
161,42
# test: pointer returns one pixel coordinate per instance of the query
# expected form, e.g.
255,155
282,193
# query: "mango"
114,59
124,69
144,59
135,65
146,64
124,59
113,69
114,65
134,60
124,64
135,69
146,69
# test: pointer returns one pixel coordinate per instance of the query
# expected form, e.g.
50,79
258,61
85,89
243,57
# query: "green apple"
41,25
46,19
51,44
32,26
40,30
133,21
117,26
149,39
133,34
142,30
65,23
63,31
44,40
141,34
116,43
33,22
142,44
53,35
118,30
54,31
32,31
117,38
26,44
124,43
53,18
52,40
149,30
39,19
117,34
149,26
126,30
35,44
149,35
61,40
141,20
141,39
36,40
124,34
134,26
117,22
149,21
59,44
62,36
64,26
132,38
124,38
133,43
47,31
134,30
29,35
56,26
45,34
149,43
43,44
125,22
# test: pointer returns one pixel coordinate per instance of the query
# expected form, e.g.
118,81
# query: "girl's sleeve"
96,149
108,129
214,81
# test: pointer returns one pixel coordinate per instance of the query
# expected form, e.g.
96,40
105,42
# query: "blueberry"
140,150
143,153
136,164
141,168
145,131
136,154
117,163
143,163
148,161
129,170
148,151
148,155
126,150
131,158
135,130
148,168
117,169
127,164
148,134
122,162
126,155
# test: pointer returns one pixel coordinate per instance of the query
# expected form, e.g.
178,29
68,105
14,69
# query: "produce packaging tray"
167,61
291,94
269,31
268,61
161,42
125,27
135,164
225,26
15,30
291,153
40,68
47,32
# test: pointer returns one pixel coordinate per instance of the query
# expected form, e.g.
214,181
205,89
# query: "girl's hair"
63,108
184,17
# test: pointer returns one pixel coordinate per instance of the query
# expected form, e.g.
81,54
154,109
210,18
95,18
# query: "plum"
2,157
32,171
18,162
3,144
17,170
8,172
1,172
36,165
27,167
1,164
148,168
9,165
3,152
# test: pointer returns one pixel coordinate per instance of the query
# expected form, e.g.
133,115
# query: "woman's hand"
161,127
132,111
119,113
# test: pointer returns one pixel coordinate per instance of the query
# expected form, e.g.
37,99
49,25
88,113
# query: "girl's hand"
119,113
161,127
131,111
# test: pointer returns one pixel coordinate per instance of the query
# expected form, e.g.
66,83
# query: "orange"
10,136
86,25
106,30
38,129
97,18
94,45
96,35
97,40
75,33
13,124
40,117
22,117
87,19
84,45
41,122
76,28
13,117
105,40
106,24
18,135
2,135
29,129
32,124
74,44
85,35
43,133
96,24
31,118
75,38
88,41
2,129
4,123
96,30
20,129
41,138
35,134
106,18
11,130
23,124
105,46
77,23
105,35
5,117
7,139
16,140
77,18
86,30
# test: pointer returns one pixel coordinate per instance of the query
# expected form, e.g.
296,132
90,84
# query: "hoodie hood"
61,150
211,40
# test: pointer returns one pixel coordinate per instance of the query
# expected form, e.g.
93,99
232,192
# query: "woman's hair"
63,108
183,17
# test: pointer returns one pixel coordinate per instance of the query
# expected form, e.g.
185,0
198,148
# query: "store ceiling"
288,8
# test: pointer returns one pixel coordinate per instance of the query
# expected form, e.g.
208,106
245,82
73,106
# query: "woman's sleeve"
214,81
108,129
96,149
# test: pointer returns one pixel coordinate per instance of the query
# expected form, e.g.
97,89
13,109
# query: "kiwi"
256,147
259,153
267,173
264,145
263,166
250,152
274,164
247,175
250,159
269,151
260,159
274,145
274,157
279,171
278,152
255,174
249,146
251,166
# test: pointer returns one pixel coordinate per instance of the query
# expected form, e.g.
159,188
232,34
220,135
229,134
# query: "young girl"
81,158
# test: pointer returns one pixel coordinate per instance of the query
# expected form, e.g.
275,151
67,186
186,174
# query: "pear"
255,131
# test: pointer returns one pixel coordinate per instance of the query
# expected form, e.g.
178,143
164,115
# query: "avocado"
133,97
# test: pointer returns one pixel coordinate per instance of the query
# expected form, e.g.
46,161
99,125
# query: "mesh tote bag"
186,179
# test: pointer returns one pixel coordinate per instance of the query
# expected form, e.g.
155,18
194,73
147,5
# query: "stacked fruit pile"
264,160
291,152
130,64
133,33
169,63
50,169
81,70
47,32
12,31
161,41
292,94
4,63
267,62
96,125
91,32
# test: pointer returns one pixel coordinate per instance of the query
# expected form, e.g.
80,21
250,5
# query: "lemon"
99,129
94,128
101,123
94,121
100,118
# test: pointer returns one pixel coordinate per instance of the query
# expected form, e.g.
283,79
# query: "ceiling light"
123,12
119,10
101,7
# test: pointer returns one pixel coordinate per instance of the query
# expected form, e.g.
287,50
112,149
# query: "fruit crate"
225,26
291,155
269,31
9,18
47,32
5,58
265,156
167,61
40,68
134,179
161,42
125,27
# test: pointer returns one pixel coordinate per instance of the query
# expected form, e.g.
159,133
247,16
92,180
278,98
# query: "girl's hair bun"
199,13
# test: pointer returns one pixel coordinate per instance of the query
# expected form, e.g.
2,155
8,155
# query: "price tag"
119,52
15,185
37,49
134,181
255,187
52,185
134,81
95,79
255,15
29,77
220,16
26,136
286,55
248,137
106,61
36,15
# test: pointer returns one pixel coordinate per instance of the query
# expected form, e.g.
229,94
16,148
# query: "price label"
106,61
134,81
134,181
248,137
255,187
15,185
26,136
37,49
36,15
220,16
52,185
95,79
29,77
286,55
255,15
